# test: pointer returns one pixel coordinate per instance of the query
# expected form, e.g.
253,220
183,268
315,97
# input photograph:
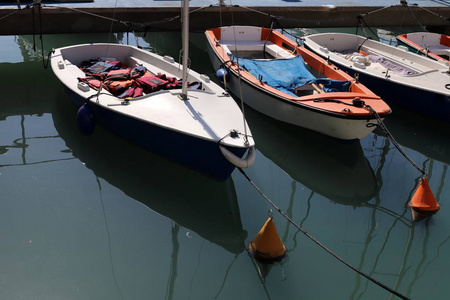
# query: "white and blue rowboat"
201,128
400,77
281,79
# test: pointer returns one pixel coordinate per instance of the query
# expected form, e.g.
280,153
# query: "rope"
437,15
391,138
361,23
88,13
46,63
14,12
126,23
415,18
320,244
244,120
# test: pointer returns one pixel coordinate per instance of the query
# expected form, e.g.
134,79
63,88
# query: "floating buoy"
246,162
85,120
267,245
223,75
423,204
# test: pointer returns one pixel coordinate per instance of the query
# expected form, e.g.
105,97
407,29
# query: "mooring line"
388,134
319,243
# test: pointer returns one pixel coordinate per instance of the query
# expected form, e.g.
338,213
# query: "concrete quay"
85,16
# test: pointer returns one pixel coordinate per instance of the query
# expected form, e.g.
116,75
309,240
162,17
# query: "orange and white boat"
433,45
280,78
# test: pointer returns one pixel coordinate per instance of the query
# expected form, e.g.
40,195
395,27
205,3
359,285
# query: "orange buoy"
267,245
423,204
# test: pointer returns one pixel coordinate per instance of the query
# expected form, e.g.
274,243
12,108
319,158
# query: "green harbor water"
94,217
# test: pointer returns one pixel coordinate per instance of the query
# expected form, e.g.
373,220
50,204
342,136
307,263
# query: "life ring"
239,162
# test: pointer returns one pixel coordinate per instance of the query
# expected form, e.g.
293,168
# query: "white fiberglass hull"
187,131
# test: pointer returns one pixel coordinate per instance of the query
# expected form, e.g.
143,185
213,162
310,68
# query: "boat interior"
365,54
131,62
435,43
267,50
256,50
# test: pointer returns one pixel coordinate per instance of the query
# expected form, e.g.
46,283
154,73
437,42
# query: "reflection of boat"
201,204
20,101
425,135
29,50
400,77
335,169
191,121
433,45
287,82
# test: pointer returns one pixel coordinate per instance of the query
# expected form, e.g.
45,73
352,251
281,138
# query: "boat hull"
412,98
427,92
203,156
292,113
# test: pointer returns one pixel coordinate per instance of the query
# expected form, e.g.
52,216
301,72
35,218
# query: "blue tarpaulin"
287,74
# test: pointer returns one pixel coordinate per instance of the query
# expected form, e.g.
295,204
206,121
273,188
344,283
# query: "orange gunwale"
357,90
445,40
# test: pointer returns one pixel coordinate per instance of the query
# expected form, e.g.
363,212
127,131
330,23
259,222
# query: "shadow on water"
208,207
193,201
423,134
335,169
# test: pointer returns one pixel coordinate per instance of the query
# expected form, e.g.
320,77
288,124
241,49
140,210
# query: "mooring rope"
319,243
244,120
391,138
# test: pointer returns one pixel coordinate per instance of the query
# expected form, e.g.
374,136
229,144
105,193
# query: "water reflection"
378,237
420,133
35,48
35,99
20,105
193,201
202,205
335,169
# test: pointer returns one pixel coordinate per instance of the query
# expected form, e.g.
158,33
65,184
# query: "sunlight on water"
93,217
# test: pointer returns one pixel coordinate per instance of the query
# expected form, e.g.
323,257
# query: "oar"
317,88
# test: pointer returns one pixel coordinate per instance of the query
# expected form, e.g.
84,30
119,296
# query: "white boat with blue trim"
138,96
399,76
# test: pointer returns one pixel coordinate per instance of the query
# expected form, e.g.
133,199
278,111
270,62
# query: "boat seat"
132,62
440,50
75,70
271,48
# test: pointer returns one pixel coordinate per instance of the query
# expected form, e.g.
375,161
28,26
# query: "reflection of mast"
400,275
174,262
304,219
417,274
113,270
21,143
289,210
442,184
226,275
371,234
369,238
22,125
24,47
